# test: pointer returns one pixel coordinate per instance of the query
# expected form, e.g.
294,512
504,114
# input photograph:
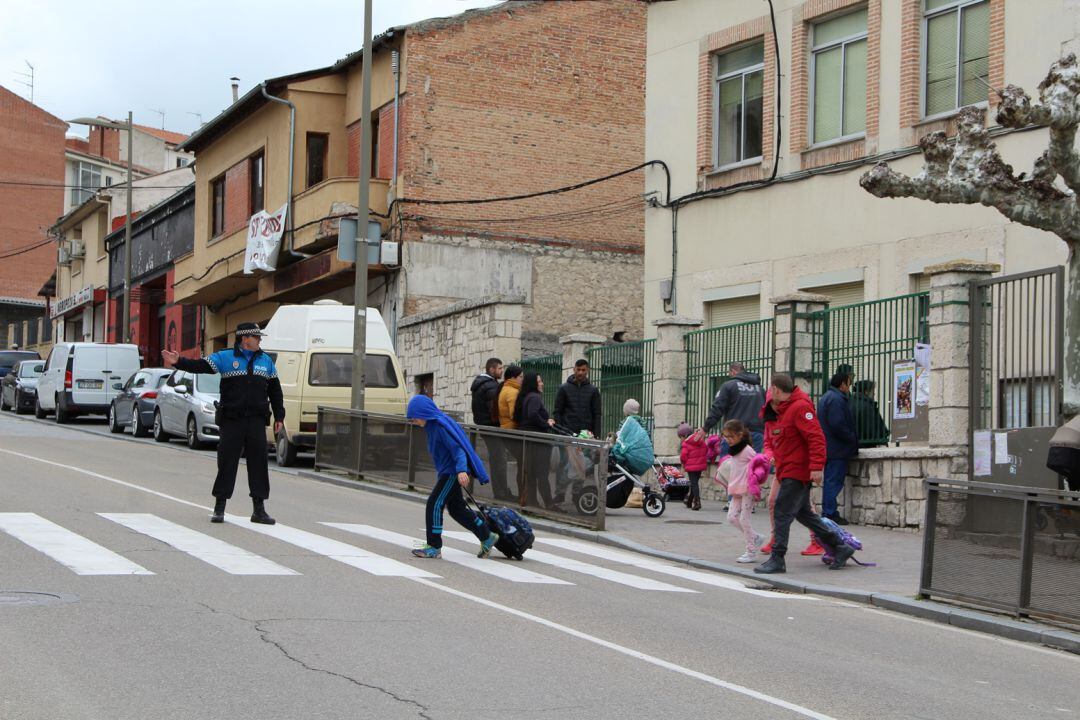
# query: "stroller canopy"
633,449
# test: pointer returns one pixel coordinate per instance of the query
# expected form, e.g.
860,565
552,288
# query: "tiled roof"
168,136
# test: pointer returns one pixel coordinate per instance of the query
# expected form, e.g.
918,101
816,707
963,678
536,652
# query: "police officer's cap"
249,328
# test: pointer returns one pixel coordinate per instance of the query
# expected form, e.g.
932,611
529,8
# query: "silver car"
185,408
18,389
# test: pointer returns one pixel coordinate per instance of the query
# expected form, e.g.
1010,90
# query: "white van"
312,347
82,378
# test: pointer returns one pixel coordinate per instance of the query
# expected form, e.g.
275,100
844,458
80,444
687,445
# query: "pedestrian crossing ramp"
83,556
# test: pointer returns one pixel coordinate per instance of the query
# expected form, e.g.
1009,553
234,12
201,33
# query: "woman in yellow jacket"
508,395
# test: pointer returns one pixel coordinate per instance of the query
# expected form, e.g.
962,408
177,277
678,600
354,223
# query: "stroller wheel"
588,502
654,505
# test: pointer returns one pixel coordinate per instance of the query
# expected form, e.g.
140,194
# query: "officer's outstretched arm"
204,365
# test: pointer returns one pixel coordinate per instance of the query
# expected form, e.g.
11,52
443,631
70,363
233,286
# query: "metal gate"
1017,364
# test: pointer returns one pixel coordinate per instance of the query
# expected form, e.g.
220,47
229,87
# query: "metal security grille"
548,367
1017,350
709,354
1004,547
867,338
623,371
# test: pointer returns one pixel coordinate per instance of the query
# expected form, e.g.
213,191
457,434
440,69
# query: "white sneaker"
746,557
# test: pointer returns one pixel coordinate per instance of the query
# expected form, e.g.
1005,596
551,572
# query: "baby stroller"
672,480
630,457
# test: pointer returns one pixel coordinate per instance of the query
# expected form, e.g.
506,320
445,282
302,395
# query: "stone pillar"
793,335
950,349
574,347
669,382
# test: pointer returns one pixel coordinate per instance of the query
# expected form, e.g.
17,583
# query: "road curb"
987,623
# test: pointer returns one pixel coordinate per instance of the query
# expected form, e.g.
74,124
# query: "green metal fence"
868,337
549,367
709,354
623,371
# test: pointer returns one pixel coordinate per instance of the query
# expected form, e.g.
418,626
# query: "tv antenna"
30,76
161,113
198,116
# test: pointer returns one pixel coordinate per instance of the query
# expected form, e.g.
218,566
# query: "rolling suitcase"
515,533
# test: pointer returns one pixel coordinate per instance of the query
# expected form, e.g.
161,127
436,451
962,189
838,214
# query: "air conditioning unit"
78,249
64,256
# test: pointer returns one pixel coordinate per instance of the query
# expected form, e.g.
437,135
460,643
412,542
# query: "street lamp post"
130,128
360,291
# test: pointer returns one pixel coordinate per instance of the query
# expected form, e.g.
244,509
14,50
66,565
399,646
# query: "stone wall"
452,343
885,485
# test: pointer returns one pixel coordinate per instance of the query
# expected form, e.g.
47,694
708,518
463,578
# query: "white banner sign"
264,240
83,297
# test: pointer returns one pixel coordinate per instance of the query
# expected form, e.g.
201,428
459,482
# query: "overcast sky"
181,54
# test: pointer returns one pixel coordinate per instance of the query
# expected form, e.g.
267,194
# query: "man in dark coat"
869,425
485,393
739,398
841,442
577,408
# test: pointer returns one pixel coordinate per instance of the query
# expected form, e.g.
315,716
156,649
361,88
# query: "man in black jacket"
250,389
577,408
740,398
485,410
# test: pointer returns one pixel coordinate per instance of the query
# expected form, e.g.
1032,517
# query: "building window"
738,105
317,143
181,162
189,326
217,206
956,54
1026,402
87,181
730,311
838,74
255,176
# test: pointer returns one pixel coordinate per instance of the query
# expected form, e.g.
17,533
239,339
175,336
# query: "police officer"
248,380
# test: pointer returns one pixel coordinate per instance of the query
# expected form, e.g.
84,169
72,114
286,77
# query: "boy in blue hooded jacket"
454,459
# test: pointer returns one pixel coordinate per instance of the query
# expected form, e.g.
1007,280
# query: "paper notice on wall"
904,391
922,386
922,355
981,453
1001,448
264,240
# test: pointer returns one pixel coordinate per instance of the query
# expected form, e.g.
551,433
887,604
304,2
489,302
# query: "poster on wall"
922,374
264,240
904,391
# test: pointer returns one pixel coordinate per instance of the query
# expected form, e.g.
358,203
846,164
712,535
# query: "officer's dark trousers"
246,435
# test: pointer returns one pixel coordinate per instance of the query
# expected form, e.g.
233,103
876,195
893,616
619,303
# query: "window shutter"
941,54
920,282
843,294
827,92
734,310
855,88
976,49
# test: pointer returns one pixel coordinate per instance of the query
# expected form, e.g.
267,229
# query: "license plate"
89,384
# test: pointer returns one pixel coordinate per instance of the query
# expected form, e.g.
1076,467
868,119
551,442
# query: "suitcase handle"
479,507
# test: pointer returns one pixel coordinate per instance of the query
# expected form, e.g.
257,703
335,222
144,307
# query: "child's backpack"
515,533
847,538
712,448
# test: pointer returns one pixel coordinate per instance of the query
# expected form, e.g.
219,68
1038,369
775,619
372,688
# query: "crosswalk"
85,556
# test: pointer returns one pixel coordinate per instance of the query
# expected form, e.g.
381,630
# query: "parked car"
185,408
8,358
82,378
18,389
133,409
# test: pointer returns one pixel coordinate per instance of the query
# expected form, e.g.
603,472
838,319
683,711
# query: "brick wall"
528,98
237,196
385,141
31,151
104,142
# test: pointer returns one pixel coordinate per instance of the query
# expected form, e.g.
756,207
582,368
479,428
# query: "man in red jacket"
798,448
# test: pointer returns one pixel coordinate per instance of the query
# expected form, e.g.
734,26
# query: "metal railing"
551,476
709,354
549,367
868,337
1004,547
623,371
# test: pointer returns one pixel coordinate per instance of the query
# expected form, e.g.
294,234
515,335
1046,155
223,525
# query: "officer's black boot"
259,514
219,511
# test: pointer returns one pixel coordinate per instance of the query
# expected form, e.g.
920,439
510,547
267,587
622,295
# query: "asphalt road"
310,620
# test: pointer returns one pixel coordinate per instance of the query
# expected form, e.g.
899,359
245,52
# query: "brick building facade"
31,196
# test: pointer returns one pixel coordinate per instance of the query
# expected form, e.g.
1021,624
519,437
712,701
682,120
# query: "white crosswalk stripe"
506,571
645,563
71,550
334,549
635,581
220,554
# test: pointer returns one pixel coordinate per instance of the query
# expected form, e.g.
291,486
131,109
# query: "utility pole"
127,232
361,289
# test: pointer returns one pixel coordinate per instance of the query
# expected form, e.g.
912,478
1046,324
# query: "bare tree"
971,171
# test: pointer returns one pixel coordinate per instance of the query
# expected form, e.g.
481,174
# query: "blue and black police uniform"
250,391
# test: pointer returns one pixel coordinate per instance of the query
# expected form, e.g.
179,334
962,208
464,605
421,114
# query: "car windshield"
30,369
335,370
209,384
9,358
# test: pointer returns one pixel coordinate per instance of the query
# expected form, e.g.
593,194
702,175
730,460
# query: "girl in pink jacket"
694,457
735,472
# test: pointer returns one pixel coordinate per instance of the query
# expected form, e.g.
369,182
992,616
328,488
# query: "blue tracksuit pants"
447,494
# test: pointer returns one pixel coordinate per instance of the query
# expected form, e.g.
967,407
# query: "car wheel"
137,428
114,426
159,432
62,415
18,403
39,412
286,451
193,440
3,403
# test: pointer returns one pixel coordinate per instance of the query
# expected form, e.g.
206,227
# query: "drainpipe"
292,158
395,65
